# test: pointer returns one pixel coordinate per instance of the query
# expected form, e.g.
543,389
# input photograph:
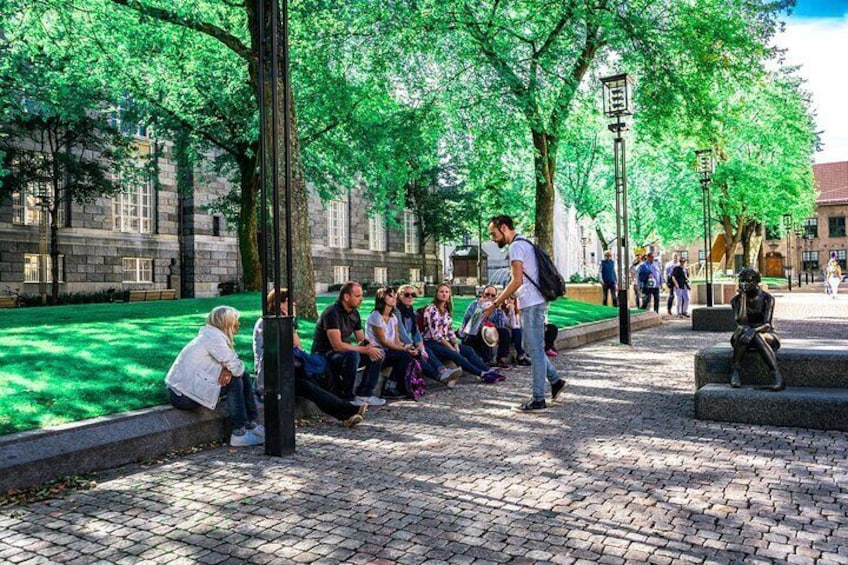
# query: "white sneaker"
258,431
359,401
371,400
247,438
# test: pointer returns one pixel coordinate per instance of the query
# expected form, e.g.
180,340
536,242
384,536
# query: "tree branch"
220,34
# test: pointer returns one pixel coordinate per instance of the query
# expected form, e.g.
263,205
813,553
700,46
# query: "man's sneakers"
556,388
533,406
369,400
245,438
524,361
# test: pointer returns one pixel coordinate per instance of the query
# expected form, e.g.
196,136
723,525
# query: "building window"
811,227
132,209
138,270
410,233
683,255
216,226
415,275
376,234
26,204
809,260
118,118
381,275
337,224
702,256
32,268
836,226
341,274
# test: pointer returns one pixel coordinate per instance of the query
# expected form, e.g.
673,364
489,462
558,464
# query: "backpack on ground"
551,285
413,380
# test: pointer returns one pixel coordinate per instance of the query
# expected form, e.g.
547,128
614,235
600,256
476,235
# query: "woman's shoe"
352,421
248,438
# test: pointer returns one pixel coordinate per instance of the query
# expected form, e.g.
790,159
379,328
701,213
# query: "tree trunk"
544,160
303,285
247,223
54,254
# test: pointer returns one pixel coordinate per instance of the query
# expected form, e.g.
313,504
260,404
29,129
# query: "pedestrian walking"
534,308
608,278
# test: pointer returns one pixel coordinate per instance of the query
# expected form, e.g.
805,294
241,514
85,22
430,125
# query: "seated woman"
209,363
305,383
472,326
440,337
410,335
381,329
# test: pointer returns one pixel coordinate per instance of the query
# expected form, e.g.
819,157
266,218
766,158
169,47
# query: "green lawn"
68,363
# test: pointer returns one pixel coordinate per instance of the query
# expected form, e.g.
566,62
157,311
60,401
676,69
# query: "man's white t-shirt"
527,294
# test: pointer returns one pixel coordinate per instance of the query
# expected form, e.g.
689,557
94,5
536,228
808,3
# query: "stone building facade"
154,236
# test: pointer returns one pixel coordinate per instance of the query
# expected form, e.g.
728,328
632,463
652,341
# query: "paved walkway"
618,472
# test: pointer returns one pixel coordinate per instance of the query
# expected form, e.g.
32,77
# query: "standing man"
337,324
608,278
669,267
534,309
650,279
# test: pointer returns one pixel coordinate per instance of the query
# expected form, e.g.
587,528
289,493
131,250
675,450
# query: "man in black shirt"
337,324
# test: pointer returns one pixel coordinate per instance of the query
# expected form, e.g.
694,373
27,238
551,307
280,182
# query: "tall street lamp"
618,103
583,241
706,166
787,223
278,358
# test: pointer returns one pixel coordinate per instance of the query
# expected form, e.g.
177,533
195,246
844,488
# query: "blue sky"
820,9
816,38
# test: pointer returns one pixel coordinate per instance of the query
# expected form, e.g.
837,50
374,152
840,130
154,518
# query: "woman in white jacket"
210,362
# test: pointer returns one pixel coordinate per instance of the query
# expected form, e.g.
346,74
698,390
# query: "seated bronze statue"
753,308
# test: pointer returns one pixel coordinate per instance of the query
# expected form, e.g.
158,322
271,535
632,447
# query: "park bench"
148,295
816,394
8,302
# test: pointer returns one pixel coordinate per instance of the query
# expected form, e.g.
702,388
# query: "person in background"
409,334
306,383
833,275
337,324
551,332
609,281
680,282
441,339
208,364
634,279
650,280
675,261
511,316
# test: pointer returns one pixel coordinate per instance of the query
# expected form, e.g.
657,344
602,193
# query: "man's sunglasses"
489,294
410,295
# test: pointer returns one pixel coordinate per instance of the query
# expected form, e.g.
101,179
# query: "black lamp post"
278,358
808,264
583,241
618,103
706,167
787,223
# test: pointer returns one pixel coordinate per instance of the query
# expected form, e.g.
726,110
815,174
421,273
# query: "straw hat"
489,334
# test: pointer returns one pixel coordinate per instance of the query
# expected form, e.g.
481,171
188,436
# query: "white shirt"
375,319
527,293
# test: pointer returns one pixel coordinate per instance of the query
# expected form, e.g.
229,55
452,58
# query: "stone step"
803,407
821,363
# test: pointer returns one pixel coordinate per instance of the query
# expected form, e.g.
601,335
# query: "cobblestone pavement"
618,472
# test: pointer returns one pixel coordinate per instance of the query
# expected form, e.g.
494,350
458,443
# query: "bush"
96,297
578,278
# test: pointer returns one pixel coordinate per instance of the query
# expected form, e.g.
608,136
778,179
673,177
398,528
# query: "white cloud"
820,47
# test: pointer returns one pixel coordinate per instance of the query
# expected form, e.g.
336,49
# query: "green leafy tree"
53,138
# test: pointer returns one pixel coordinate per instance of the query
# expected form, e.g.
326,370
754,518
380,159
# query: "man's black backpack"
550,284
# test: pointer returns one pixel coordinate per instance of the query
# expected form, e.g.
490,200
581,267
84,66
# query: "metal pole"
622,234
788,260
278,358
705,196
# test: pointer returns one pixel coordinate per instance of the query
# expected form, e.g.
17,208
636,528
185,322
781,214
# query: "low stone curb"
37,456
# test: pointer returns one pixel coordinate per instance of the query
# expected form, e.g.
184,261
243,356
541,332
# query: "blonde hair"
225,319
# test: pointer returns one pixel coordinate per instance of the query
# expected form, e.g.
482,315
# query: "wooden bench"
8,302
148,295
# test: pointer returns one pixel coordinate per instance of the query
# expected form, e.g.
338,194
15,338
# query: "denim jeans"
346,363
610,289
647,295
431,366
533,328
241,402
327,402
398,361
465,357
181,402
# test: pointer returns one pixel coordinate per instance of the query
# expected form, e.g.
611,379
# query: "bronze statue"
753,308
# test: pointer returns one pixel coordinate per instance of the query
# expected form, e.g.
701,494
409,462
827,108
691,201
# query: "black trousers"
327,402
610,288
